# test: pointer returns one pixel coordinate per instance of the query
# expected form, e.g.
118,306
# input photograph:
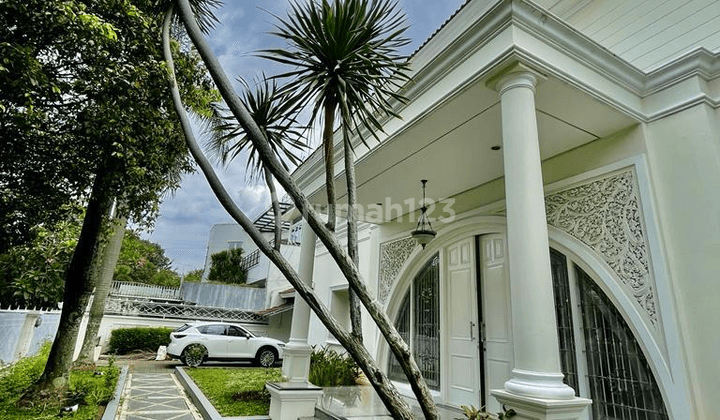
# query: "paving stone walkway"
155,394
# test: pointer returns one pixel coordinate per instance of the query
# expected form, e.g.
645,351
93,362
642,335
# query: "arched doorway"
471,351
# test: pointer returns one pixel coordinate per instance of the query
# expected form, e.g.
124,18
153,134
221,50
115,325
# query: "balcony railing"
251,260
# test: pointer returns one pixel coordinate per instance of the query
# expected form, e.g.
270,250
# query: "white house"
572,148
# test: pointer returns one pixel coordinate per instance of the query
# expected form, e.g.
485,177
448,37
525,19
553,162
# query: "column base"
289,401
539,385
530,408
296,362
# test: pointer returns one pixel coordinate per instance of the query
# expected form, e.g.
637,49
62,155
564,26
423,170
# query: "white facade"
621,101
228,236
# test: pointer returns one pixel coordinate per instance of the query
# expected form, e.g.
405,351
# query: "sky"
187,216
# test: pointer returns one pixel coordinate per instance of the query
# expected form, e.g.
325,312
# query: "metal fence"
145,291
130,307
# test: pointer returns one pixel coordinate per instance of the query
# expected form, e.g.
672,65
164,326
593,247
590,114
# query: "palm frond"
203,10
344,51
277,119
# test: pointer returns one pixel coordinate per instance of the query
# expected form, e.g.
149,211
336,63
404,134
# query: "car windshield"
183,328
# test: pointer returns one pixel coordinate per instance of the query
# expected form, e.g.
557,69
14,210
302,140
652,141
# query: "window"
563,313
212,329
236,332
340,307
619,379
418,322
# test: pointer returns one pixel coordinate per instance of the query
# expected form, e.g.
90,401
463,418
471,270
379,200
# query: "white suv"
197,342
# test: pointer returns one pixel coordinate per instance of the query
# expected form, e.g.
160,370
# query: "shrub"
19,377
227,267
330,368
125,340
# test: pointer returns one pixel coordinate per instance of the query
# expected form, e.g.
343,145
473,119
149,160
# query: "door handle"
472,331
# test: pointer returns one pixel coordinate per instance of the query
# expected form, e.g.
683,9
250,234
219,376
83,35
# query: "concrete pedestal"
296,362
529,408
291,400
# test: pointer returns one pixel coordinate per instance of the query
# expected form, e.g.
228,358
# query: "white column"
297,397
537,360
296,362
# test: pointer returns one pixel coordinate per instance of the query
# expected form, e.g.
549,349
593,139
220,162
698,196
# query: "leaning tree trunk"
275,206
387,392
352,232
329,149
395,342
80,279
102,288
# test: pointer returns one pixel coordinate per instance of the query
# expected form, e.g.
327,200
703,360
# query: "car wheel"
266,357
194,355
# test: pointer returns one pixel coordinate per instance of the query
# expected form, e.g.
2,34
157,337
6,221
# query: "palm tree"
398,408
275,119
345,61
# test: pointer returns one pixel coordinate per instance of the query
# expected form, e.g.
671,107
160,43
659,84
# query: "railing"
178,310
251,260
145,291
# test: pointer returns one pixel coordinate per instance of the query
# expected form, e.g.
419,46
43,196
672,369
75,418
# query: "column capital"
515,75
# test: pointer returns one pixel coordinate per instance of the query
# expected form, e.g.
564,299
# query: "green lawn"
236,391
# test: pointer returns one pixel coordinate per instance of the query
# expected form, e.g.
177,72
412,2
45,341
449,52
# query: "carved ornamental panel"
392,257
605,215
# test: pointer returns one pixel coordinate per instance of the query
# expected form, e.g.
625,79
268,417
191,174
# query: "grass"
89,391
236,391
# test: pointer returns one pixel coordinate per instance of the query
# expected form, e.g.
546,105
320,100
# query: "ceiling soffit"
589,94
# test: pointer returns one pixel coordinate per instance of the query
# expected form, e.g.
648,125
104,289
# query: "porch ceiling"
451,146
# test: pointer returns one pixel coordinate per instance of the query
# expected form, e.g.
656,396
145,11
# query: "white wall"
684,155
328,278
276,282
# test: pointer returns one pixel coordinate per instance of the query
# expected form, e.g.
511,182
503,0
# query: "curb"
112,406
202,403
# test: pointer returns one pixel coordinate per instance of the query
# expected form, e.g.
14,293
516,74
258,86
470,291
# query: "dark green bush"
125,340
330,368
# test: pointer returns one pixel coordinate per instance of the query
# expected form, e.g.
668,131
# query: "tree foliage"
32,274
82,89
194,276
85,115
143,261
227,267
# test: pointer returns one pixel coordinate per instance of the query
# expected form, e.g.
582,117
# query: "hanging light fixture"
423,232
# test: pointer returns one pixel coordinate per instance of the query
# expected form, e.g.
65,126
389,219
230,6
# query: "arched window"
619,379
418,322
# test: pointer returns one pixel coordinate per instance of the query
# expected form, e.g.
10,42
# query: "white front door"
496,316
464,381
